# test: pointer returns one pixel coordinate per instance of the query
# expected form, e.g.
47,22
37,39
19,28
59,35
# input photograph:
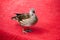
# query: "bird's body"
26,19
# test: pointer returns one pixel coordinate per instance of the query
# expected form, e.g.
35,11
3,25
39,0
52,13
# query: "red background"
47,27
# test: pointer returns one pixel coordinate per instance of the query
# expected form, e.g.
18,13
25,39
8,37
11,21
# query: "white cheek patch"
32,11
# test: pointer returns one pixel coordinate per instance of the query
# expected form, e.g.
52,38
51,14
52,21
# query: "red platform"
47,27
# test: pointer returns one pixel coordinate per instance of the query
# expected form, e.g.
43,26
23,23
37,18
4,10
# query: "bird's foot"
26,31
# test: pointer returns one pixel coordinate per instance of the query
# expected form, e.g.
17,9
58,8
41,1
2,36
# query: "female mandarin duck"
26,20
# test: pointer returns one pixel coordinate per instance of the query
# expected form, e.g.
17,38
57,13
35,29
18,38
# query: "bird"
26,19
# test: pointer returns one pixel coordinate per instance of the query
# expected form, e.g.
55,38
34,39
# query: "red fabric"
47,27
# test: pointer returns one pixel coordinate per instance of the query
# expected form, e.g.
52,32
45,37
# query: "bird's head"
32,12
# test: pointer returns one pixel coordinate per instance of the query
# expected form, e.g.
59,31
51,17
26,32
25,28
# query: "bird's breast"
28,22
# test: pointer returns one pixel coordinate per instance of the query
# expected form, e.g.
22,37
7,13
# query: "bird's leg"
23,30
27,29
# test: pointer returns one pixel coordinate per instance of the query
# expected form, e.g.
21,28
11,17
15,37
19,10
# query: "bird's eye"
33,11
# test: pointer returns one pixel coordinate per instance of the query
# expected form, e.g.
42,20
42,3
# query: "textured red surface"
47,27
